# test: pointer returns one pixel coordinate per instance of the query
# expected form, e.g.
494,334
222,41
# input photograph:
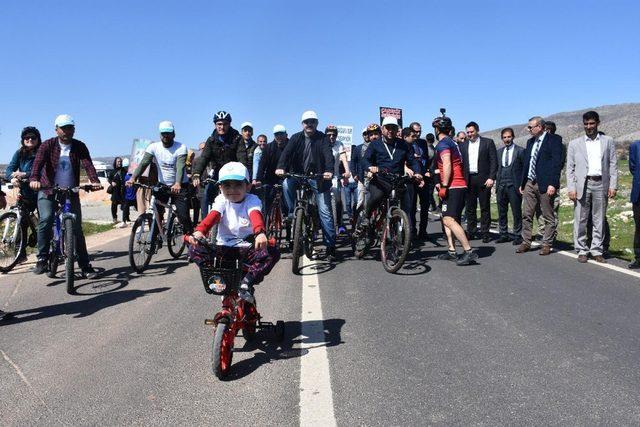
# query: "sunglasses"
30,138
310,122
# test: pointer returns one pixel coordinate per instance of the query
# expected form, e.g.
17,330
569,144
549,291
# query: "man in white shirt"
170,156
592,177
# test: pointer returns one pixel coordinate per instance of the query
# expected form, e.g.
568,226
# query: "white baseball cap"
389,121
309,115
64,120
125,162
279,129
246,124
233,171
166,126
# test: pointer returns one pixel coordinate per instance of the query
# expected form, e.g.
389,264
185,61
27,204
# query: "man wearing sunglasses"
309,152
540,183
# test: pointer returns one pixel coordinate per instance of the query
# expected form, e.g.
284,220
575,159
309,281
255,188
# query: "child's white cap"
233,171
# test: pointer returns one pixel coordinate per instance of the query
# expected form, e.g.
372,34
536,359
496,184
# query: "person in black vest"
430,178
510,164
417,191
481,167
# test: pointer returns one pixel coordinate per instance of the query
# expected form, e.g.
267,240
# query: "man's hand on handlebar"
175,188
34,185
373,169
195,180
280,172
327,175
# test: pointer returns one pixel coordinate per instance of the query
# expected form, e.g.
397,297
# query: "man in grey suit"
508,178
592,176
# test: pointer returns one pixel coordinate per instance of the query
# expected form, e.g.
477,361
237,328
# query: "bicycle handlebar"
303,176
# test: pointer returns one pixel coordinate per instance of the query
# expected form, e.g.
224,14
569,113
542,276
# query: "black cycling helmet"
30,130
443,123
222,115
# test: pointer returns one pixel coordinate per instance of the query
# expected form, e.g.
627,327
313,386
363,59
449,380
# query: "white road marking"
316,397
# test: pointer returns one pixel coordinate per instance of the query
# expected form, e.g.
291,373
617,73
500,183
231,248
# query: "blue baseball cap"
166,126
64,120
233,171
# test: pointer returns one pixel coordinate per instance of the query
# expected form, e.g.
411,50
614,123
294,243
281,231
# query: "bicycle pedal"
209,322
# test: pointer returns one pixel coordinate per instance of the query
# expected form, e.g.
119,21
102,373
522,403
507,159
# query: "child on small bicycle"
238,215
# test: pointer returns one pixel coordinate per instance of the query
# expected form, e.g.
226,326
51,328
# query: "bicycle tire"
298,241
145,250
70,252
222,353
53,260
274,223
397,234
360,253
12,249
174,225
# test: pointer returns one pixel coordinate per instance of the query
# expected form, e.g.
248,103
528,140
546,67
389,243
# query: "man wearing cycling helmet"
341,174
389,154
223,146
309,152
451,191
58,162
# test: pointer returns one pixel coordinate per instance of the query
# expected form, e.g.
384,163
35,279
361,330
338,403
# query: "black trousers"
508,195
378,190
421,195
636,236
182,202
476,191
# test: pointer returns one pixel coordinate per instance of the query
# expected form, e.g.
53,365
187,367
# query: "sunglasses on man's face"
310,122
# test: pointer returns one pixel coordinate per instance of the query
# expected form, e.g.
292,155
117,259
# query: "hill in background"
620,121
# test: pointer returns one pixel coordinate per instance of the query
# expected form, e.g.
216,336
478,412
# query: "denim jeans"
323,201
209,195
351,197
46,206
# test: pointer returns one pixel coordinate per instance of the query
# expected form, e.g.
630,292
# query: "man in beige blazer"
592,177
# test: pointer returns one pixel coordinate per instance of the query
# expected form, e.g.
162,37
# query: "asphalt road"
517,339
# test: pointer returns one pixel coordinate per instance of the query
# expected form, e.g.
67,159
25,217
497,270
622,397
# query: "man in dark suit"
510,163
418,192
481,166
540,183
634,168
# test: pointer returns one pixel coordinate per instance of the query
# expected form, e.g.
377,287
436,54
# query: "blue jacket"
634,168
22,165
548,165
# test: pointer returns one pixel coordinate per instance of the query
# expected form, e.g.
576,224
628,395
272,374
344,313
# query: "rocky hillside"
621,121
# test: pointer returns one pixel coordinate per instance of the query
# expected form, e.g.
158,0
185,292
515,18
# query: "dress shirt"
594,152
474,149
507,155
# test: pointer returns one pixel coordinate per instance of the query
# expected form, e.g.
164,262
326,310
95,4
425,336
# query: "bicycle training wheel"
395,243
70,252
11,241
141,245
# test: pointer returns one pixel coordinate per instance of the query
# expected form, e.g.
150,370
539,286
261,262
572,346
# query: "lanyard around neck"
391,153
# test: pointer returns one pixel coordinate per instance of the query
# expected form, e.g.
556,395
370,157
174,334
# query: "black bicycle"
15,225
388,224
306,220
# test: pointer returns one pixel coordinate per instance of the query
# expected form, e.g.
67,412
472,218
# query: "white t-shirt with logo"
64,172
166,158
234,221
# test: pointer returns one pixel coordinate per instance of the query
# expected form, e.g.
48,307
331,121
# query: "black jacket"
216,153
377,155
250,149
517,164
269,163
292,158
487,159
549,163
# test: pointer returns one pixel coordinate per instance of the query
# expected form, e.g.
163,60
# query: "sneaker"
517,241
121,225
486,238
89,273
634,265
503,239
342,231
246,293
332,255
41,266
467,258
448,256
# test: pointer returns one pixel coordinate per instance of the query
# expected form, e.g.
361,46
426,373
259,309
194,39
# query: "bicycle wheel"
70,254
53,260
395,241
274,224
222,354
175,238
360,243
141,244
11,241
298,241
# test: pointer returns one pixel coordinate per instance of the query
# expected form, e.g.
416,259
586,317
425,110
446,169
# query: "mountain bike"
306,220
221,271
148,231
388,225
277,222
62,248
14,227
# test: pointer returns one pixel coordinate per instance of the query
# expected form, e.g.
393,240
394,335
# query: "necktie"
534,159
505,160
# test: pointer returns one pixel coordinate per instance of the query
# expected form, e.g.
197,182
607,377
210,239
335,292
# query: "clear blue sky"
120,67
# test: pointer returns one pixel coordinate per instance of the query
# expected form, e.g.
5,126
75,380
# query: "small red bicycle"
221,274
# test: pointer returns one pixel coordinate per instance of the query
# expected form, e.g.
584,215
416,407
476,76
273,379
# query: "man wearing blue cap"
57,163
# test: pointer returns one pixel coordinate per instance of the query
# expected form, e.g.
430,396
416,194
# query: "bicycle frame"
63,211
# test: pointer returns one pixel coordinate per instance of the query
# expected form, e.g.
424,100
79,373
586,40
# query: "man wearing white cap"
58,162
309,152
271,153
171,157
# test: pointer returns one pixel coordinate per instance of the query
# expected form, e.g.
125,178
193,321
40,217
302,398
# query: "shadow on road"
80,308
267,349
105,255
